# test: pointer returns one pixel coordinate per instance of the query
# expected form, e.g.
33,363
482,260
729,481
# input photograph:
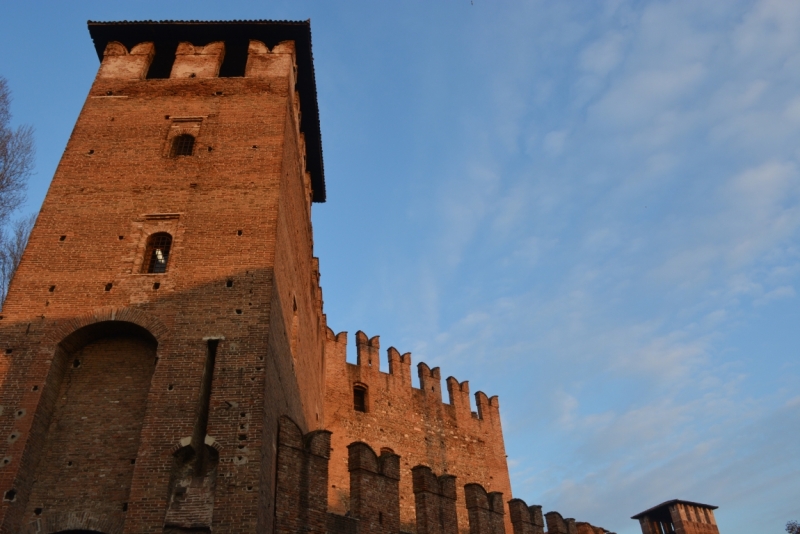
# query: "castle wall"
237,210
413,423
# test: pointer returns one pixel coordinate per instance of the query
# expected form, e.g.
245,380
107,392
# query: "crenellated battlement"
368,369
385,411
374,506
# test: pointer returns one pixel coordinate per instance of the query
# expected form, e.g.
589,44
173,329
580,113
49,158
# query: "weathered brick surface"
413,423
241,269
485,510
374,489
525,519
435,502
302,481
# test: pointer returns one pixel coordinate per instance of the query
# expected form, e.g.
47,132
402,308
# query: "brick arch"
74,523
116,351
68,336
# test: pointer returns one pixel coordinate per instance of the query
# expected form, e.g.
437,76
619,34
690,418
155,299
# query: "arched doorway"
100,380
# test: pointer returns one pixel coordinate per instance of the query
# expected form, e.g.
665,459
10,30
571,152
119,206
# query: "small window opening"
229,283
62,238
52,288
11,495
360,399
37,511
182,145
157,253
156,285
109,286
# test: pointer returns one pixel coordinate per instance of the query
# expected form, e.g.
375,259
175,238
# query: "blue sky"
591,209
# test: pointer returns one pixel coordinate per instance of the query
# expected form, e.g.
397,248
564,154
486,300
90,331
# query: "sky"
590,209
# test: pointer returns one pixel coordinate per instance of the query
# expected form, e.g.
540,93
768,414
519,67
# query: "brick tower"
167,310
678,517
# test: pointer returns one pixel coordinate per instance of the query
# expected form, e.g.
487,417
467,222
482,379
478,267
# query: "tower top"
237,35
664,507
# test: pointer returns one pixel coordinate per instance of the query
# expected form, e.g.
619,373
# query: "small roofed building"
678,517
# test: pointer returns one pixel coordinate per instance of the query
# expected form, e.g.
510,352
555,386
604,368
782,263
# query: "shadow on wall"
88,387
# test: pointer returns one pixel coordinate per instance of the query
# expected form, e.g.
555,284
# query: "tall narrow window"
182,145
157,253
360,398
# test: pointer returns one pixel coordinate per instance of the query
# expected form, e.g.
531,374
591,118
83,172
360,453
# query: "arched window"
182,145
157,253
360,398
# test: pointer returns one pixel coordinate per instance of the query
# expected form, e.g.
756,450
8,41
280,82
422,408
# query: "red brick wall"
113,180
414,423
93,438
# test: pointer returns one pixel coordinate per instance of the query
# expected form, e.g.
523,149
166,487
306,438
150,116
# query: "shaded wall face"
238,212
93,440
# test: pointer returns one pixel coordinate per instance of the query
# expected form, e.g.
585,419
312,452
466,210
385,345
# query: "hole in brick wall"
240,446
121,237
240,458
35,388
52,288
229,283
249,488
47,303
238,232
133,461
156,285
109,286
91,152
166,117
261,358
109,93
20,413
249,303
241,427
255,146
37,511
62,238
218,93
242,437
6,460
13,437
69,464
192,75
10,495
111,118
210,149
432,388
253,378
238,312
76,364
193,185
243,414
170,387
27,328
380,517
124,507
259,368
9,351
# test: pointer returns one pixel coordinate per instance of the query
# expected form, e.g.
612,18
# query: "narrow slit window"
182,145
360,399
157,253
